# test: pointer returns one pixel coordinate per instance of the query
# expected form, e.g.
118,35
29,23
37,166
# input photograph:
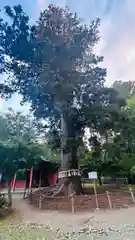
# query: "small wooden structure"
44,173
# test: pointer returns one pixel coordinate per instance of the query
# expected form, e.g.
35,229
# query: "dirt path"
67,221
27,213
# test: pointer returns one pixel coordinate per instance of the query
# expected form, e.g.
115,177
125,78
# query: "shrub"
3,202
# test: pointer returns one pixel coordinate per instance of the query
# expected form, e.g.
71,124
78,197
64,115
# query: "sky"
117,32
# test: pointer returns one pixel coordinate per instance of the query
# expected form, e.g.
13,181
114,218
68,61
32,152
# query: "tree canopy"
19,127
53,66
19,147
125,89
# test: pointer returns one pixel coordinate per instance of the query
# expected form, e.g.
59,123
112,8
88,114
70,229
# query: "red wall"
52,177
18,184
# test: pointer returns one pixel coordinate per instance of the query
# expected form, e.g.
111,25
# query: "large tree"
52,64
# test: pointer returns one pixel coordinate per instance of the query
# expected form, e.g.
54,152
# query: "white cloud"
41,5
119,44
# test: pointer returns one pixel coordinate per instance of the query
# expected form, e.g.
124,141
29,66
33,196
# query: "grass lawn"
91,185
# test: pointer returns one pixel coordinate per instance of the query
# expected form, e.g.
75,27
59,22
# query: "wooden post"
31,178
25,174
30,197
40,202
40,180
14,182
72,203
24,193
95,192
132,194
109,199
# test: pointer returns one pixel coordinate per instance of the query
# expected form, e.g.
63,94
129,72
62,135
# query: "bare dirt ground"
28,222
69,221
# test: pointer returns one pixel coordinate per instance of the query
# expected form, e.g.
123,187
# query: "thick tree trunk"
99,180
9,194
69,161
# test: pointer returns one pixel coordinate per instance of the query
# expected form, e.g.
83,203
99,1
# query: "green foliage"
19,147
54,68
3,201
125,89
51,154
85,157
52,64
127,162
114,152
132,170
17,127
130,108
17,156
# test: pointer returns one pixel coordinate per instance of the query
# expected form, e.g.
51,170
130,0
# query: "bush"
3,202
4,209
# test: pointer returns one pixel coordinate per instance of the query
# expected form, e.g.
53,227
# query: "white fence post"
132,194
95,192
109,199
72,203
40,202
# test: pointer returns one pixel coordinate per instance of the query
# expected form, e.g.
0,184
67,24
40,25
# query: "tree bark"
69,161
99,179
9,194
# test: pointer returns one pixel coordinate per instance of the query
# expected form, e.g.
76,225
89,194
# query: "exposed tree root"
60,190
65,187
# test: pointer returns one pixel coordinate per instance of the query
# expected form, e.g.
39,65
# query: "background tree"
53,66
125,89
16,126
15,157
19,145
